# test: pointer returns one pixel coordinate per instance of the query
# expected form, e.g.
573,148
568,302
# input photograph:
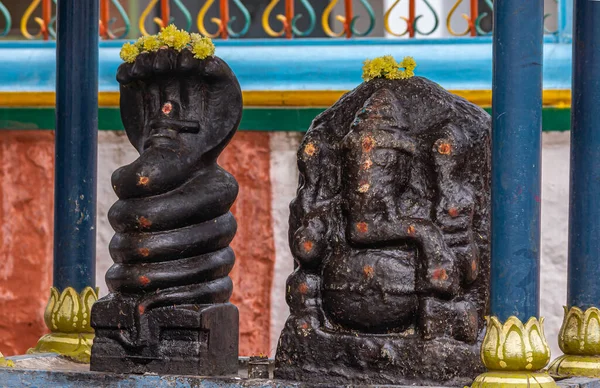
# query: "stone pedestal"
180,340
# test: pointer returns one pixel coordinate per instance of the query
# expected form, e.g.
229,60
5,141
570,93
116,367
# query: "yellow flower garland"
170,36
387,67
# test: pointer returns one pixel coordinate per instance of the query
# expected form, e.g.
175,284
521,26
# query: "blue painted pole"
584,227
516,157
76,144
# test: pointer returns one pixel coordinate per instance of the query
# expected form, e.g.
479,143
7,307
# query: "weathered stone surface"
390,229
168,310
26,208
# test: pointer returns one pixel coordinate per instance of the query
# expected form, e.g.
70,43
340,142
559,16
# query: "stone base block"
310,353
179,340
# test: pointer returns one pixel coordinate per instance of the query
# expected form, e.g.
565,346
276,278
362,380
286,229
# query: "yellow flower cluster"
387,67
202,46
129,52
170,36
148,43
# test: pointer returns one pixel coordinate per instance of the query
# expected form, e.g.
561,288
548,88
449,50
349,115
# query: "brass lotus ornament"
514,353
579,339
4,363
67,316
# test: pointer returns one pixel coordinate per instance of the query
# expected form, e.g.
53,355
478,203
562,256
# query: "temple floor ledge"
52,370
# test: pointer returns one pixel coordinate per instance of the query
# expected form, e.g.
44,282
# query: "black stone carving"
168,310
390,231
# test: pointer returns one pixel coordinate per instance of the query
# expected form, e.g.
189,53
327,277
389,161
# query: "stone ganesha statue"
168,310
390,231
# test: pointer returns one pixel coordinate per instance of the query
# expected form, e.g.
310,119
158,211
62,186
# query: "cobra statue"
168,310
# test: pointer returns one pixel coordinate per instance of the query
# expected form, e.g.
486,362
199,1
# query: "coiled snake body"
172,220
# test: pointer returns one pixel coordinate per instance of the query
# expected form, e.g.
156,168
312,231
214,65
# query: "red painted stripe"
26,208
248,158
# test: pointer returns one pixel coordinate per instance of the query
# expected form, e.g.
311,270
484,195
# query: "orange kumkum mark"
362,227
144,281
445,148
440,274
308,246
167,108
368,144
453,212
144,222
303,288
310,149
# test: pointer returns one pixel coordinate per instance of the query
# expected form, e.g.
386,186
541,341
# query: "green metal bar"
436,23
311,16
125,18
247,21
372,21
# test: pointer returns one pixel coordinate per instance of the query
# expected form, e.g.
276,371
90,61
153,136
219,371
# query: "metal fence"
234,19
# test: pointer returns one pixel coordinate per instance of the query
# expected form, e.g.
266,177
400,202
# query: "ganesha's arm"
439,272
310,242
456,200
316,210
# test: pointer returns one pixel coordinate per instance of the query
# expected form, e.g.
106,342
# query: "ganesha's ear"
456,196
451,144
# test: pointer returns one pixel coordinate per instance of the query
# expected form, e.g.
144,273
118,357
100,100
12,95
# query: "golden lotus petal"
491,344
64,315
89,296
580,332
50,309
539,353
68,318
591,337
570,335
70,312
513,346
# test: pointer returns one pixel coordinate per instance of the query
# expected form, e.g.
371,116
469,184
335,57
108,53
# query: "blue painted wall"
319,64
